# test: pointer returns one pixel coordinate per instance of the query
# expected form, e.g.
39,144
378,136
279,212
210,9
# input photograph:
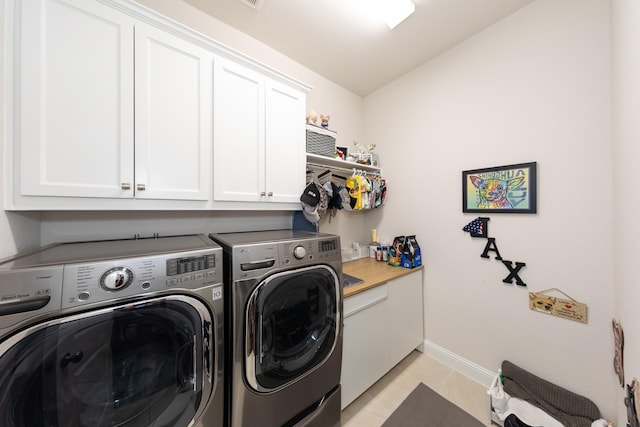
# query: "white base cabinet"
364,348
406,316
381,327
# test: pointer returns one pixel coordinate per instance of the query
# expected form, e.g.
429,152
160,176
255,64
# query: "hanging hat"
311,195
310,213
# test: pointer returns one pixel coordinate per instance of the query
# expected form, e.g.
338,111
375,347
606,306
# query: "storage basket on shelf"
321,141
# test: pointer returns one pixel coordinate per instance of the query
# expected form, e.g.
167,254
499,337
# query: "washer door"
292,326
136,365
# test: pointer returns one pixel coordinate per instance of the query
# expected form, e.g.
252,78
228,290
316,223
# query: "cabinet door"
74,96
406,316
365,348
238,136
174,101
285,143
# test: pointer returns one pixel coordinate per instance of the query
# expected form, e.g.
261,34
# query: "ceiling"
344,45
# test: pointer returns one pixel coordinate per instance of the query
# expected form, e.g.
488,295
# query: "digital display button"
192,264
327,245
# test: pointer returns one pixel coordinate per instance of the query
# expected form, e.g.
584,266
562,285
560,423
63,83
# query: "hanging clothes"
362,190
365,189
355,192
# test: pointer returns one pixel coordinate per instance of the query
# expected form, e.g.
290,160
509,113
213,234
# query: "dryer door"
136,365
292,326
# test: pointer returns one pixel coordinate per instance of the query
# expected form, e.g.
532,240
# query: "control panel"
85,283
28,292
252,261
77,274
308,251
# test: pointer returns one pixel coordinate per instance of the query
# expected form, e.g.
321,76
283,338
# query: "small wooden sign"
561,307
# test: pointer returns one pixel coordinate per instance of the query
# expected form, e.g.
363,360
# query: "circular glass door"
137,365
292,324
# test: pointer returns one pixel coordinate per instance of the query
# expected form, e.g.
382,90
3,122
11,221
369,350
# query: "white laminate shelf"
329,162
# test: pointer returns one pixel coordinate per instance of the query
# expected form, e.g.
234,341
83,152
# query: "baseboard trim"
464,366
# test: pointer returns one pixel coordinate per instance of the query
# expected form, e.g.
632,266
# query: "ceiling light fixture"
393,12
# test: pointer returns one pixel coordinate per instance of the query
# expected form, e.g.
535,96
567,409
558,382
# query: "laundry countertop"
373,273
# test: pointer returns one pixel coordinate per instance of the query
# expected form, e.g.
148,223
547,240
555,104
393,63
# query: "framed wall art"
502,189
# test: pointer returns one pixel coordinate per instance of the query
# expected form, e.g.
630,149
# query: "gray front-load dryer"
122,333
284,328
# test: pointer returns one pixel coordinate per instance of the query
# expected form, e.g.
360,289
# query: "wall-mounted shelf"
351,175
332,163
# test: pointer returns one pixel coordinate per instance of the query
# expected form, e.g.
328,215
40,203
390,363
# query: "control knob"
116,278
299,252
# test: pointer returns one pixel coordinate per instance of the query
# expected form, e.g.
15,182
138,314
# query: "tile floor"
373,407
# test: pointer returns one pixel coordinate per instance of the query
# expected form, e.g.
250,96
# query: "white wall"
533,87
73,226
626,104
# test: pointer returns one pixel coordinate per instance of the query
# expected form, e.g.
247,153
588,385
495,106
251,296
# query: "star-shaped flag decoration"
478,227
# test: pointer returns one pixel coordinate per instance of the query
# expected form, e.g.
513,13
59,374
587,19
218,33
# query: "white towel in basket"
504,405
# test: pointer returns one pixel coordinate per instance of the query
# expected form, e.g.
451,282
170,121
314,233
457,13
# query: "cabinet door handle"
262,194
270,193
125,186
140,187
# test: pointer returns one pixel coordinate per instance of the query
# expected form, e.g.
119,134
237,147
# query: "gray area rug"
426,408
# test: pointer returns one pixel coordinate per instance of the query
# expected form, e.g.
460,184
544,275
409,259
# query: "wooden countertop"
373,273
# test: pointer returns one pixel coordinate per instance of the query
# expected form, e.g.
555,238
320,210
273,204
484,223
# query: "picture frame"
500,189
344,151
365,159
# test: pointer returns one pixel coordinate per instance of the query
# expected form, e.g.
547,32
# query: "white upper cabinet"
111,106
285,143
74,100
80,136
239,121
258,153
173,134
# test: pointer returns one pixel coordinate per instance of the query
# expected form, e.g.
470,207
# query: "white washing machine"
113,333
284,328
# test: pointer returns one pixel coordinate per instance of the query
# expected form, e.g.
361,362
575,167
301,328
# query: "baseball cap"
311,195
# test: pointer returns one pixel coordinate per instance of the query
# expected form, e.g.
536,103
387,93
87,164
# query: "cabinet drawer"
364,300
